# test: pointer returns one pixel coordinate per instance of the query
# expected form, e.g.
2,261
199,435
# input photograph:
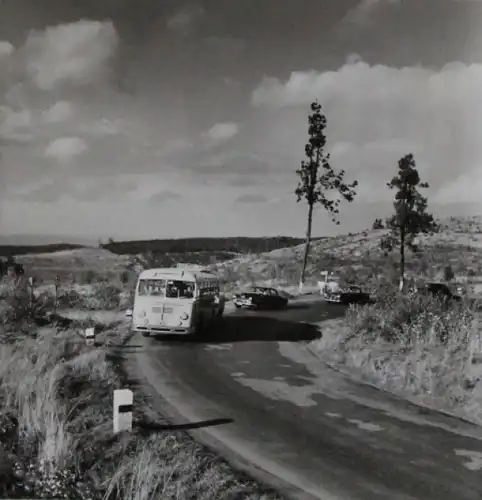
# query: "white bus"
176,301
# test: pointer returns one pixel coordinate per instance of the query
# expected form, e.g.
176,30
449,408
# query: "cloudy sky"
165,118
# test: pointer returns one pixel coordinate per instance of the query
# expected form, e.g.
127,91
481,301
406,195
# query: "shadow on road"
298,306
147,428
253,328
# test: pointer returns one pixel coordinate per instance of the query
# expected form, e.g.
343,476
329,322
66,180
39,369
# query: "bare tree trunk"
307,246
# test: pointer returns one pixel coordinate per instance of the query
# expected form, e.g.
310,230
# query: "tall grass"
416,345
56,431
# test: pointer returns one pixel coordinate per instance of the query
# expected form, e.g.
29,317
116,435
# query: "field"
415,348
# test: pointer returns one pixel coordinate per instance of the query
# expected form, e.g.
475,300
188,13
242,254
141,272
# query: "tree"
411,216
377,224
318,179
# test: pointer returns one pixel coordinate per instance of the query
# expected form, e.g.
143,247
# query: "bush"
414,344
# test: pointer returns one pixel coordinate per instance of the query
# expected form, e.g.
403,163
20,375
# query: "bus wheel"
145,334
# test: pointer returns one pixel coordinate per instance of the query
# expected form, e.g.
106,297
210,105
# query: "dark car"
439,290
352,294
260,297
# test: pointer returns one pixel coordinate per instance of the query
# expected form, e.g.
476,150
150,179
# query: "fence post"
123,399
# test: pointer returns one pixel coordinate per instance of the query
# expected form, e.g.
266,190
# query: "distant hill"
212,246
13,250
32,240
166,252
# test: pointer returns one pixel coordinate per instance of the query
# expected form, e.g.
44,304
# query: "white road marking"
219,347
332,415
366,426
475,458
282,391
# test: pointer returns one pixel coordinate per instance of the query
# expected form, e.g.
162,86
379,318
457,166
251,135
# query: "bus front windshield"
171,289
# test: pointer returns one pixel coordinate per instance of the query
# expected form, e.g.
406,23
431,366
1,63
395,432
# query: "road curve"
303,428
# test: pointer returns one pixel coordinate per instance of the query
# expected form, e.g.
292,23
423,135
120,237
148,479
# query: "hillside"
79,264
358,257
12,250
224,247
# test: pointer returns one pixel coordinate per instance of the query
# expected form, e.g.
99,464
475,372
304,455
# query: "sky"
168,118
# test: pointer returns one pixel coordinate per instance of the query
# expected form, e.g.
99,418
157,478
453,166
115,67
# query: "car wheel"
237,306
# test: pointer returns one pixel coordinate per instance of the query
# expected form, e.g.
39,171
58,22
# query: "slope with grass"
359,258
56,437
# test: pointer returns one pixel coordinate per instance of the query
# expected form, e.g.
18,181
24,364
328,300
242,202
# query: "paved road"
303,427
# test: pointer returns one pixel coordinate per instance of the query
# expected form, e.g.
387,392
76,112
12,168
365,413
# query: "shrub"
414,344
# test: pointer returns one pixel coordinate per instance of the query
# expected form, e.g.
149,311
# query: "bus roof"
178,273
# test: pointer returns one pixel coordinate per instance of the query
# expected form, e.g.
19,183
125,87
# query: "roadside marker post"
90,336
123,399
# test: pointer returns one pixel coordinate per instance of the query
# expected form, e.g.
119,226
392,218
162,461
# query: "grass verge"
413,346
56,436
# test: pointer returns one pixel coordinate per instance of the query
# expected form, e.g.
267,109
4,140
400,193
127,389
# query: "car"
439,290
260,297
332,291
352,294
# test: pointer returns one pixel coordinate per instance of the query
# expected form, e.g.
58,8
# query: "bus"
176,301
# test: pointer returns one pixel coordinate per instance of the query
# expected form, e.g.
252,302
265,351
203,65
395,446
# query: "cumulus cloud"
6,49
61,111
221,132
362,14
251,198
70,53
12,120
183,20
164,196
378,113
65,149
83,190
53,63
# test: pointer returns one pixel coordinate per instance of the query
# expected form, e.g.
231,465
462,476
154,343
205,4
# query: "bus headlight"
184,316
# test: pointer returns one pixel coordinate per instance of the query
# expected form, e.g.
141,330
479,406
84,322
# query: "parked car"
352,294
259,297
439,290
332,291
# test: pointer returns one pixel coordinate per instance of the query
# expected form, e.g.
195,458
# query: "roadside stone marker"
123,399
90,336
